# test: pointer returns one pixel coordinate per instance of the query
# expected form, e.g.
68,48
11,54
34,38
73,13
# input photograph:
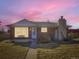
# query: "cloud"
45,7
40,9
31,14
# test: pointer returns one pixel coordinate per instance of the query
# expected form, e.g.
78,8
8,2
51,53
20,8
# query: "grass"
63,52
10,51
3,37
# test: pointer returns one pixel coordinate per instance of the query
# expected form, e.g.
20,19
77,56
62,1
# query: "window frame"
18,36
44,29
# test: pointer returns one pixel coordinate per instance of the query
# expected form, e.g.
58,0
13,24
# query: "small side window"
43,29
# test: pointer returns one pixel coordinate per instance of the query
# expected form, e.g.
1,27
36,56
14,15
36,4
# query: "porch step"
21,40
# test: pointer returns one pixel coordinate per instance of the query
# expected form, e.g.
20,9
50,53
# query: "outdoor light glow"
21,32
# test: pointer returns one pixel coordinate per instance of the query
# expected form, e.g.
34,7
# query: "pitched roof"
26,22
49,24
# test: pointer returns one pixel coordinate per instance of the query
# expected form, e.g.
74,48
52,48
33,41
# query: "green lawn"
10,51
63,52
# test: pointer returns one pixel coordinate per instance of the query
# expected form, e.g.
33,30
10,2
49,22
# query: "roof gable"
24,22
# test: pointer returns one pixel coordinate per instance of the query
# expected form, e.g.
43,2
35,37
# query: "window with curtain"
21,32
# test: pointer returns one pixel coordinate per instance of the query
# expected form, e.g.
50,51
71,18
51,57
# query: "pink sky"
39,10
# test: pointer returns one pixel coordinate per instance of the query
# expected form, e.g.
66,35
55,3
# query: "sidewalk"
32,54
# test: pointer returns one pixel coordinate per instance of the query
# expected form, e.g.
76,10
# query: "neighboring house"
73,33
73,30
26,30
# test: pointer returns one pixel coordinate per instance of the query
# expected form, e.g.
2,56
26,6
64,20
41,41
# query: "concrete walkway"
32,54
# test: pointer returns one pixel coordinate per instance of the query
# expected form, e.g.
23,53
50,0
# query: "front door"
34,33
34,37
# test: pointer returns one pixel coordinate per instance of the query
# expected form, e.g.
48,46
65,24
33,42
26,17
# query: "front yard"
10,51
62,52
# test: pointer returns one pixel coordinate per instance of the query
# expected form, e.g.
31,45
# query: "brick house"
26,30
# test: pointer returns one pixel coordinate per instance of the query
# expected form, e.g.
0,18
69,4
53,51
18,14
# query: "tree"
1,29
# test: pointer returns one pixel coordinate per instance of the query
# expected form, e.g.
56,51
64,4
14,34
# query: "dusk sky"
40,10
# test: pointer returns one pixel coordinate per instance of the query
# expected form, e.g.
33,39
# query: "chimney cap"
61,17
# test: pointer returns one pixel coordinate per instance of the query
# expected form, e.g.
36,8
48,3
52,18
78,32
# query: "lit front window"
21,32
43,29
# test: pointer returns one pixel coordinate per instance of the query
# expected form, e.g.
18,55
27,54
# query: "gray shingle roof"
26,22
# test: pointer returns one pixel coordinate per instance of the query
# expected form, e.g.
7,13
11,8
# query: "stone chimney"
62,29
62,21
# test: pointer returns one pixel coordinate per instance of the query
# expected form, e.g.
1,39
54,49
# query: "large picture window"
21,32
43,29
